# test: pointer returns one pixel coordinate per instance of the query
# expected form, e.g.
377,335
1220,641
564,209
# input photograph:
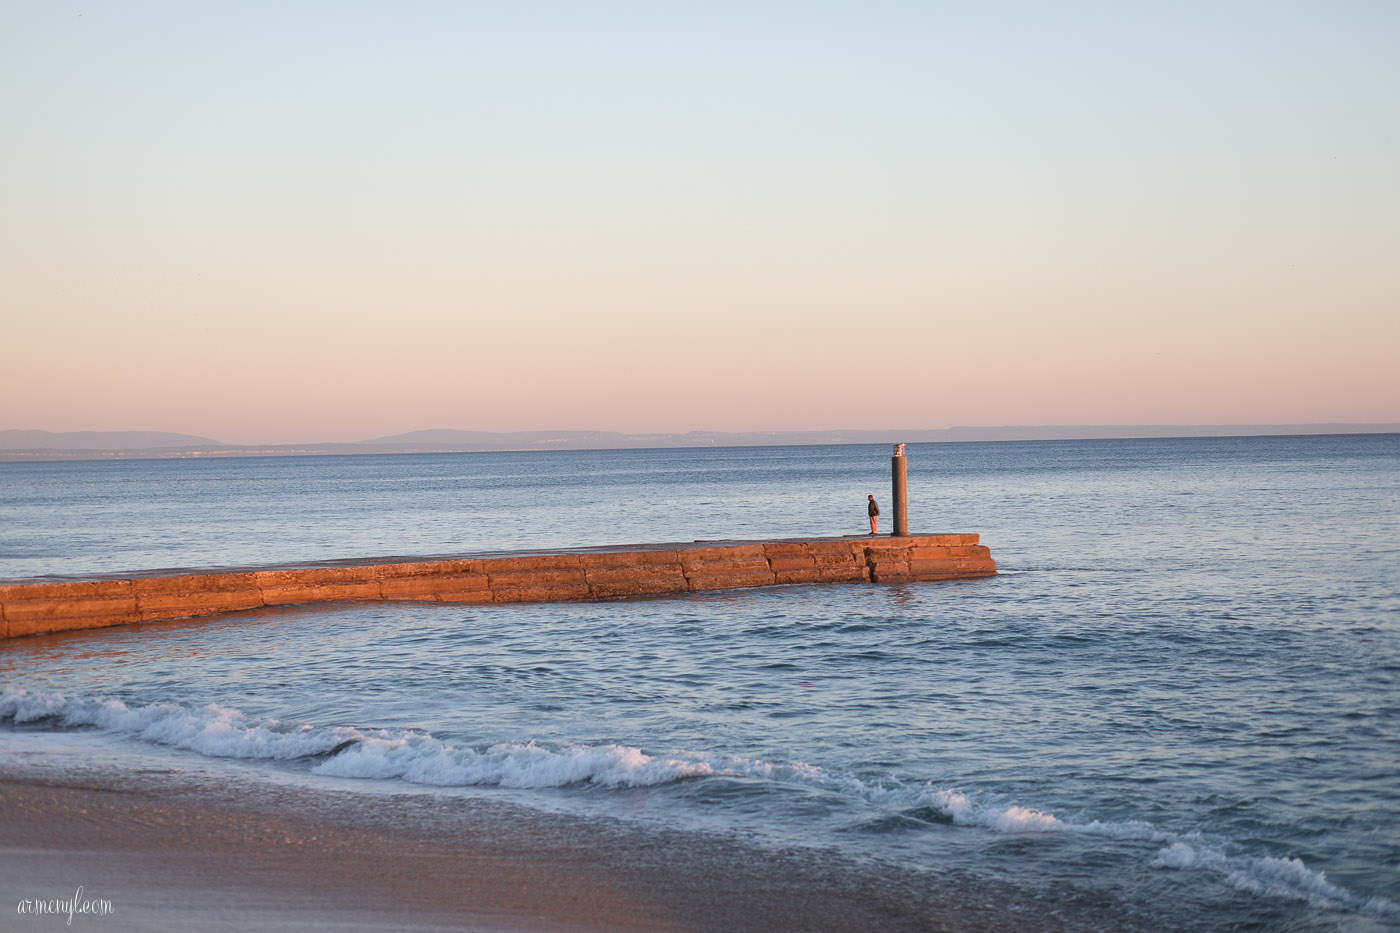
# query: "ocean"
1177,707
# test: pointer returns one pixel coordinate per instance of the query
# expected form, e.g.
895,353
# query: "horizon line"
451,440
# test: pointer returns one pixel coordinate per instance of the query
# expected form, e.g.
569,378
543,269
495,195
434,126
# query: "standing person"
874,509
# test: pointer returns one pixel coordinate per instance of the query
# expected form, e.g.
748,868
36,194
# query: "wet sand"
172,851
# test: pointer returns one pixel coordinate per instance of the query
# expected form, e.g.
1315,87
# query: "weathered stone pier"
32,607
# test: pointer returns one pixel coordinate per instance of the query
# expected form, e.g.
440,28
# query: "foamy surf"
212,730
1272,877
420,758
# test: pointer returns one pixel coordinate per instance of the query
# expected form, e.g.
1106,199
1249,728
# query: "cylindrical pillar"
899,480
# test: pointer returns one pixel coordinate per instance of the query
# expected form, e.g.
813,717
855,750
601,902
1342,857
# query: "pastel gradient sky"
280,222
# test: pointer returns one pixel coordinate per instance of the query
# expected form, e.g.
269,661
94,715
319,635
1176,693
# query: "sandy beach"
171,851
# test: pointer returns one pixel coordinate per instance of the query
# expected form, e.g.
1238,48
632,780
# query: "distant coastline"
149,445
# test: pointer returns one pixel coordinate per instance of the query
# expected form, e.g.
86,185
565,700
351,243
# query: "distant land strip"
16,445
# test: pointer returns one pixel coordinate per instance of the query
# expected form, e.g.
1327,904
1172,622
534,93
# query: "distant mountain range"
102,445
100,440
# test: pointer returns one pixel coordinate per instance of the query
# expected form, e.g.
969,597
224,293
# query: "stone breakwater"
36,606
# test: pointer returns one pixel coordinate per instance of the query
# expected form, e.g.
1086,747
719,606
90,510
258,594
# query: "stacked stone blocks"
28,608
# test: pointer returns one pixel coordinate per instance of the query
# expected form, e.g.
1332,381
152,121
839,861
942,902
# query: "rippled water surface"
1181,699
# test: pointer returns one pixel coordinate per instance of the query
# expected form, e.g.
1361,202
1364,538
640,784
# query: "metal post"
899,479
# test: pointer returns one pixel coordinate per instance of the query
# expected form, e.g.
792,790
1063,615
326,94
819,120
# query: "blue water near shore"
1178,706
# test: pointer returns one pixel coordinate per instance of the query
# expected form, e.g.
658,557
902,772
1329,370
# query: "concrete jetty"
31,607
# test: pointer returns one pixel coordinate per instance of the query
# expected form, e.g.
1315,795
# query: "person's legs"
874,520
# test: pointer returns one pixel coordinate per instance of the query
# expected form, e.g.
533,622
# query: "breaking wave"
420,758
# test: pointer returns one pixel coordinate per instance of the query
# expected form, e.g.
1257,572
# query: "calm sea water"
1179,705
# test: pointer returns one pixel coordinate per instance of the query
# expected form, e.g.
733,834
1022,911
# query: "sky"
283,222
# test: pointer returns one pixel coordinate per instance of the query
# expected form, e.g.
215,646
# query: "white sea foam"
1272,877
424,760
26,706
213,730
420,758
416,757
1181,855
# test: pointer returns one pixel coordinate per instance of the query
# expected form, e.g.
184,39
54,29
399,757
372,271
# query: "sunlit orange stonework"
30,608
